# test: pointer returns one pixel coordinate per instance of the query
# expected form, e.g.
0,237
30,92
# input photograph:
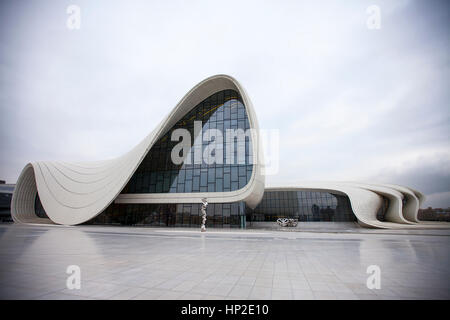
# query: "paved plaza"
161,263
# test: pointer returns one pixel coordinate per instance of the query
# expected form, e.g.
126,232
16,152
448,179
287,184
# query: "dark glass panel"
222,110
38,208
304,206
177,215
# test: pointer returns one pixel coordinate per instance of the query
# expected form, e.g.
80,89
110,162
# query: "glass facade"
5,202
220,215
38,208
382,211
6,192
302,205
224,111
157,173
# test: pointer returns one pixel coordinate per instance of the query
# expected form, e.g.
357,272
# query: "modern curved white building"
207,147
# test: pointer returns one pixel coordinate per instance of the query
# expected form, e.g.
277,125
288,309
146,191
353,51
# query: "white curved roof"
75,192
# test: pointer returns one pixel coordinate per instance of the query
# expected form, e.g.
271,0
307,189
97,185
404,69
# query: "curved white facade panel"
411,206
394,212
72,193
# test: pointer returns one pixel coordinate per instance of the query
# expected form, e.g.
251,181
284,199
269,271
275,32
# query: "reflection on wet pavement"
152,263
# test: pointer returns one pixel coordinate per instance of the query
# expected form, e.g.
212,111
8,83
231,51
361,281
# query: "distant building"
434,214
6,192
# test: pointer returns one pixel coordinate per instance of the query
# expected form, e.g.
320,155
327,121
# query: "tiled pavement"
149,263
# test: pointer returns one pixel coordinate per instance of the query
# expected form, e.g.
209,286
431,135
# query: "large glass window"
38,208
158,174
173,215
302,205
5,202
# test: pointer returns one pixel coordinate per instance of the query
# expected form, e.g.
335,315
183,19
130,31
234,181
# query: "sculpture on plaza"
285,222
203,209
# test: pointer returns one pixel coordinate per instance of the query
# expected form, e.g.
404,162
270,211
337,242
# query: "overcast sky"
351,103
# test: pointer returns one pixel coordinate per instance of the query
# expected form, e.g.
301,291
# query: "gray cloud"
429,175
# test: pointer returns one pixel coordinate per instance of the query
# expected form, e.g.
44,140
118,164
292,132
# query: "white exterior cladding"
75,192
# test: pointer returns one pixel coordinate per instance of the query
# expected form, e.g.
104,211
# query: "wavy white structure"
366,200
74,192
